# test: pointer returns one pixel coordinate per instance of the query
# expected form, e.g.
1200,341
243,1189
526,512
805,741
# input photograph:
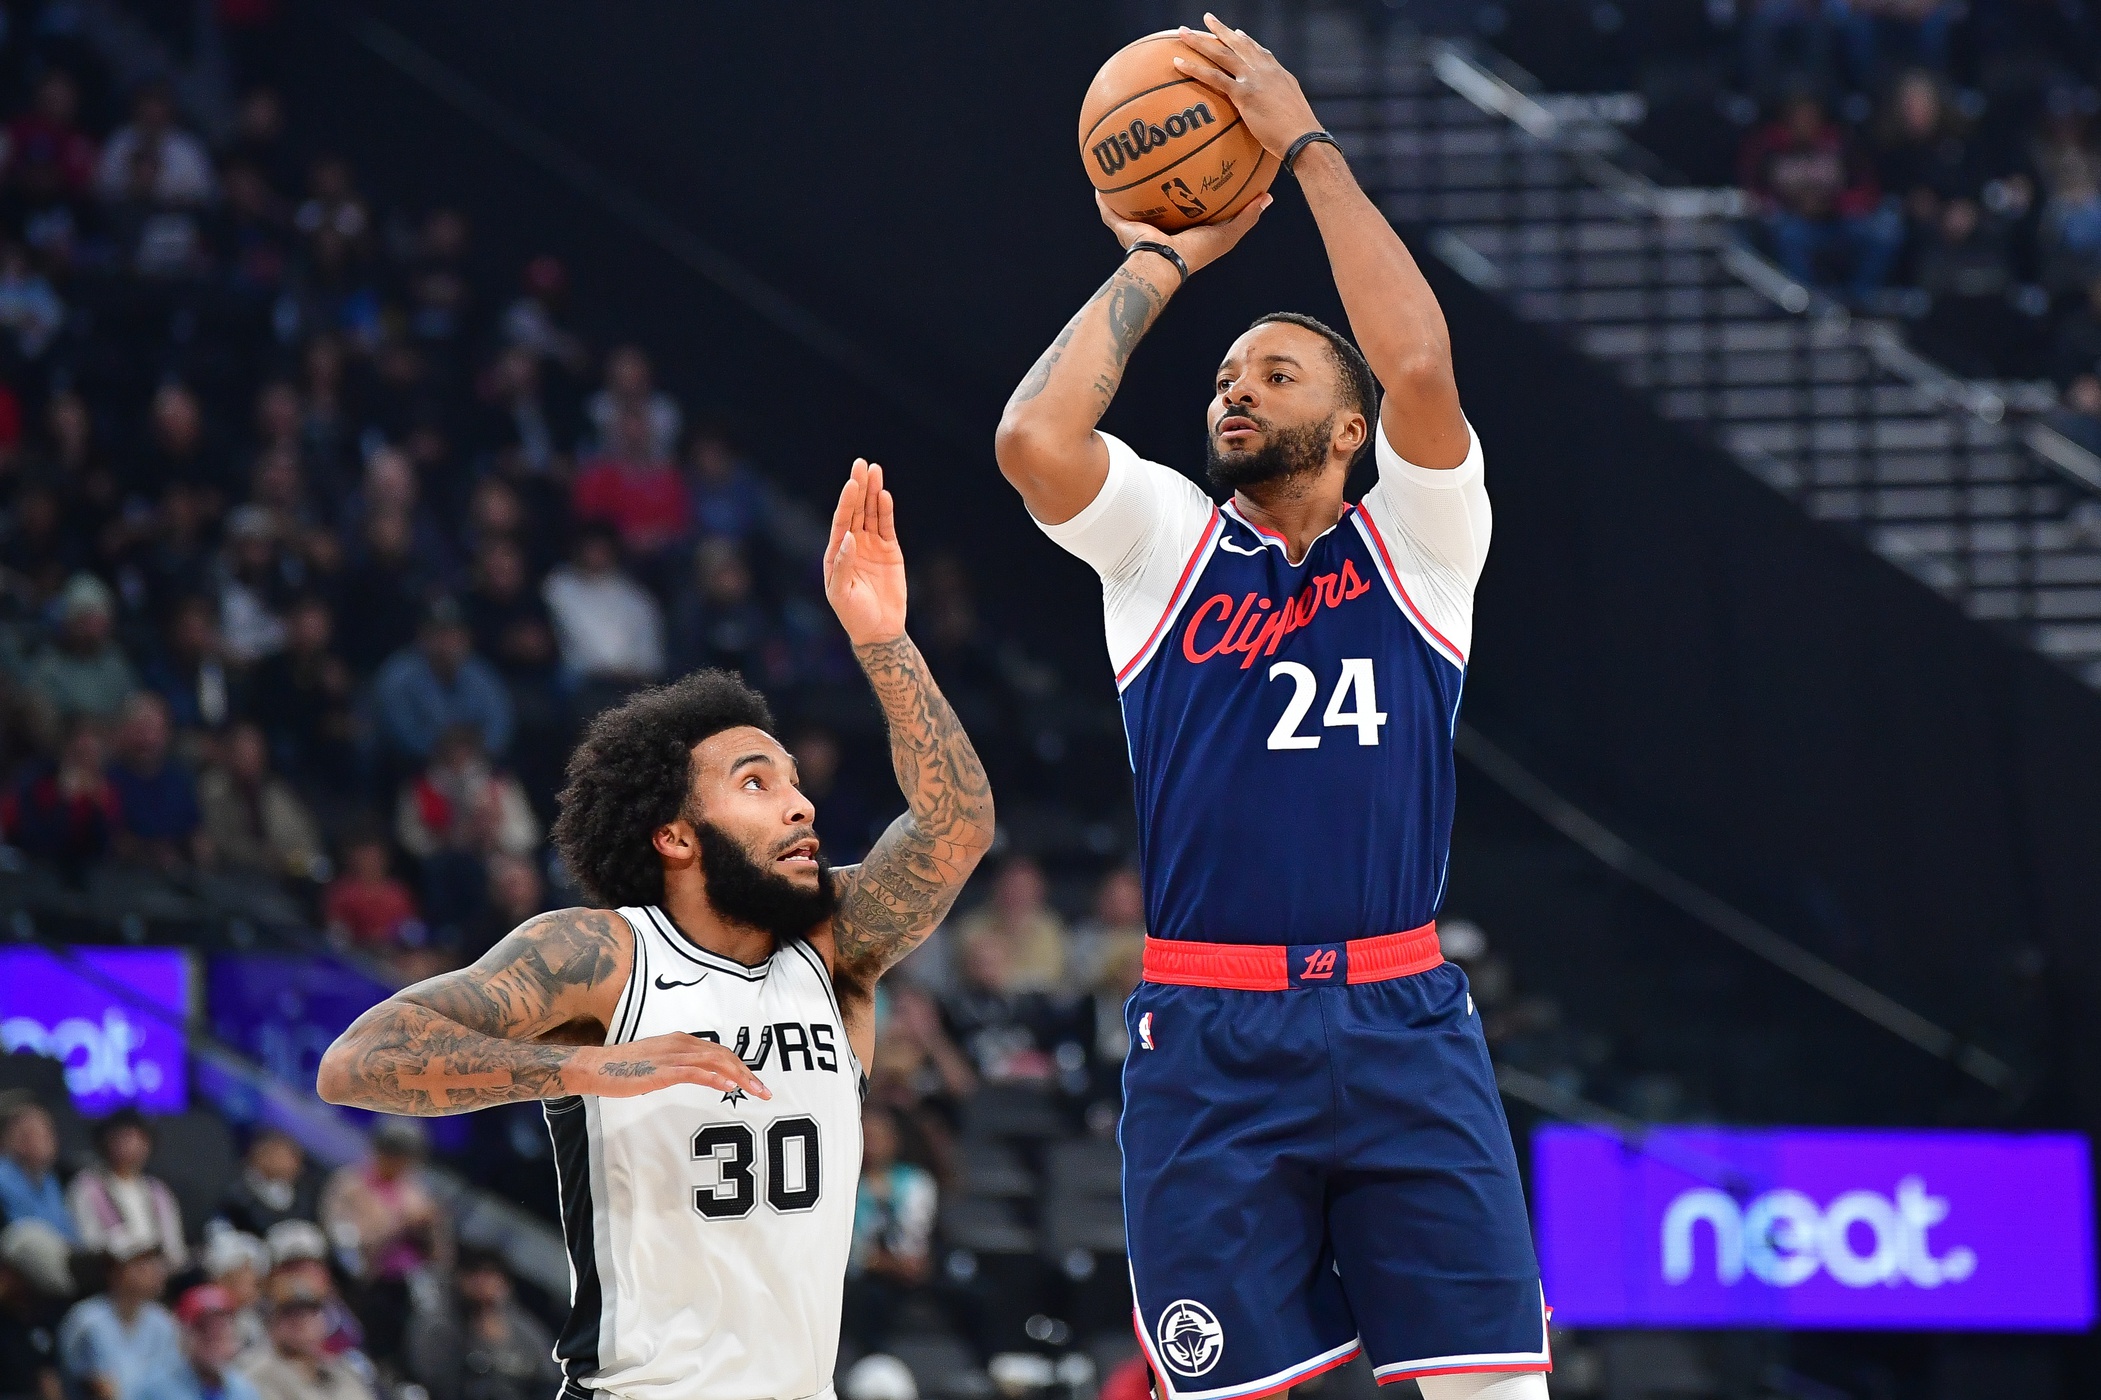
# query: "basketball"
1162,148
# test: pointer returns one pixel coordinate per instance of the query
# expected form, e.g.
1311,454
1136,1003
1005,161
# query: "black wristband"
1291,156
1147,245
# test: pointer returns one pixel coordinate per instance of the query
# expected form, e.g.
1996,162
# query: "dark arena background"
1777,867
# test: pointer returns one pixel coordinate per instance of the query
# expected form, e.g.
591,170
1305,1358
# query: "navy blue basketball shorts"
1316,1162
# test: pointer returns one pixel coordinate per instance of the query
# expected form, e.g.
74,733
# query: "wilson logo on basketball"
1120,148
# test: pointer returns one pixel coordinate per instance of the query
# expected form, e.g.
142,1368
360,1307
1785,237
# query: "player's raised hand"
1206,243
864,568
658,1062
1249,76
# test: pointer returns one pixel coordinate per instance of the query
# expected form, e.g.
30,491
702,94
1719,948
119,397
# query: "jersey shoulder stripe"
1392,577
1175,600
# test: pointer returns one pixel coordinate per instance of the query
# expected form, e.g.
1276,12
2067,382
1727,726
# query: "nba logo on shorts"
1191,1340
1145,1030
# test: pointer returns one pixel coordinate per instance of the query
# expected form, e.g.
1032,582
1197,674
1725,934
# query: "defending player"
708,1212
1315,1156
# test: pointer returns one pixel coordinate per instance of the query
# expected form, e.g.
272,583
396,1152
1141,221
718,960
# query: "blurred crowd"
1939,161
320,537
293,1286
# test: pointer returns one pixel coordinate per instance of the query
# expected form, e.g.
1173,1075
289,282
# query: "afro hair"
633,772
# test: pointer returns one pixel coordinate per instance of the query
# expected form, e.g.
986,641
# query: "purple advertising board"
1815,1228
97,1014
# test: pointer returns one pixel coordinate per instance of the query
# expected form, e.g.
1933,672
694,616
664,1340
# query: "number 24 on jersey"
1355,688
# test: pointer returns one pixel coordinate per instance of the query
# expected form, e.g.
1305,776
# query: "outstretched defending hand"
864,569
1249,76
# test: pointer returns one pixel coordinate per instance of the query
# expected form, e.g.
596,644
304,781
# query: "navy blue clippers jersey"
1290,731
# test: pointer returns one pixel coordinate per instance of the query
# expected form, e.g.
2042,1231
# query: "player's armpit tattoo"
901,891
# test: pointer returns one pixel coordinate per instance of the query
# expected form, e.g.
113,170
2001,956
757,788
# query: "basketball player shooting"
1315,1157
699,1042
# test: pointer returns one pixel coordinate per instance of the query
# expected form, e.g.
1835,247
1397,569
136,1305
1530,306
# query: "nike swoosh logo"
1231,548
664,986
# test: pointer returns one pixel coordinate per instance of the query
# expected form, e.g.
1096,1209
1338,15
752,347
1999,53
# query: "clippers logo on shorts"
1191,1340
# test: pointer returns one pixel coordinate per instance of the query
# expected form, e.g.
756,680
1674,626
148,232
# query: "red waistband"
1277,967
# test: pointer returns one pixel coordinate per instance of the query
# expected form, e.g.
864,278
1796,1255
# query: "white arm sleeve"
1138,533
1435,525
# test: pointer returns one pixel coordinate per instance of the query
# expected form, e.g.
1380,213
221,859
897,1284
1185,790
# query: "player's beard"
1285,454
745,892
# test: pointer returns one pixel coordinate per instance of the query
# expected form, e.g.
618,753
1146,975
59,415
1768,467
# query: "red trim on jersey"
1262,530
1175,599
1395,576
1266,967
1145,1349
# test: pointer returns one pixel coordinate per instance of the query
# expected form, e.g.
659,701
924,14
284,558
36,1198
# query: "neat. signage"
1815,1228
113,1016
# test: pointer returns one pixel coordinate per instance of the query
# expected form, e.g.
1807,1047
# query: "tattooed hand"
622,1071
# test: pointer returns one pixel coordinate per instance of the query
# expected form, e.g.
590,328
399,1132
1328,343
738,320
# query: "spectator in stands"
630,387
45,150
1815,39
83,675
111,1346
393,590
720,621
30,309
114,1201
298,1364
1819,200
304,696
253,821
29,1188
439,682
256,582
480,1343
159,823
1019,919
439,293
237,1261
1116,929
366,906
299,1258
538,320
173,558
66,812
634,488
184,167
155,238
2068,164
610,630
274,1185
183,448
921,1075
385,1210
1008,1031
189,672
507,616
452,817
35,1278
1926,156
730,500
894,1210
514,894
211,1339
391,488
2078,416
519,417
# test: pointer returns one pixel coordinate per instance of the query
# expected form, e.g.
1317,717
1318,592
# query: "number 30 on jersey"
793,1169
1355,687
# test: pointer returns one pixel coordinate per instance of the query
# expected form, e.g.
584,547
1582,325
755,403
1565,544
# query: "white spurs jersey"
708,1232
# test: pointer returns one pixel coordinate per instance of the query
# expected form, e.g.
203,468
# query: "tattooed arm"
528,1021
891,901
1046,444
